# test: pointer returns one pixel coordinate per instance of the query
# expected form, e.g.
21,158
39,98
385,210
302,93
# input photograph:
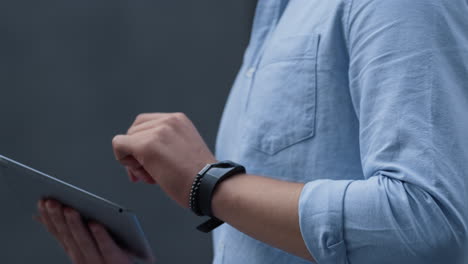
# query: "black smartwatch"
203,188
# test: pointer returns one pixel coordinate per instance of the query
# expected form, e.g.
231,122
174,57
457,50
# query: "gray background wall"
75,73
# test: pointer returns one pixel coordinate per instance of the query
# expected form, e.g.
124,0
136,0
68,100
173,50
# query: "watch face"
203,188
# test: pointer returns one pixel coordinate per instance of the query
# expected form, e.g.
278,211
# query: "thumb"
123,146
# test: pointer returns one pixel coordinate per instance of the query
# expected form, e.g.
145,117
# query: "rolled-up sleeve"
408,79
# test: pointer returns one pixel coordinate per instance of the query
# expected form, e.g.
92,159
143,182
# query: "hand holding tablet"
84,243
121,224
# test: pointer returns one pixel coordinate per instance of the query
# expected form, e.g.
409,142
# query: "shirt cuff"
321,220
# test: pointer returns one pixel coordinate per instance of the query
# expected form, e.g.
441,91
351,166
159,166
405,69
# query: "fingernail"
133,179
51,205
138,175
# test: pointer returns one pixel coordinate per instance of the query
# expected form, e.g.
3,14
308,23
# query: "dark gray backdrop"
75,73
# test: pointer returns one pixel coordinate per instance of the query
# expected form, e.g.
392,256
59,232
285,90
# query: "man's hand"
84,244
165,149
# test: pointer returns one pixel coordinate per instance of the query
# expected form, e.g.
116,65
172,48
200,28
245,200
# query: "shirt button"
250,72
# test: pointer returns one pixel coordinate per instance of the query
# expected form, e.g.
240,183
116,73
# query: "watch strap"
204,187
209,225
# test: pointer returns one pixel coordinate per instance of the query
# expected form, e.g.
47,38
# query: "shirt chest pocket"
282,100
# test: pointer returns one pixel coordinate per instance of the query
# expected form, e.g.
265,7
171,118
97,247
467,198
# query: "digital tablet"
29,186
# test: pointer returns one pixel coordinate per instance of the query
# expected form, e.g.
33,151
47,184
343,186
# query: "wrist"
226,196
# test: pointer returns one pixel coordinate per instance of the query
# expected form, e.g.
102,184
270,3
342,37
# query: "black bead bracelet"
194,191
193,199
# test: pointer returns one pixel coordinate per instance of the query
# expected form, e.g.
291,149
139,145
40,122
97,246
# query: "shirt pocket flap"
290,48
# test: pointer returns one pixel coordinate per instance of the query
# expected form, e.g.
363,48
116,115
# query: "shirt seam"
347,27
343,229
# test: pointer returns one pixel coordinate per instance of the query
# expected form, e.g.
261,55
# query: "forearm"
263,208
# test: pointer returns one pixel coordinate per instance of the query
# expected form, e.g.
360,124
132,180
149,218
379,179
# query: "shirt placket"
267,16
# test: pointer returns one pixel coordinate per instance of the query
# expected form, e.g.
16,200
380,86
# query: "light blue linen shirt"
365,101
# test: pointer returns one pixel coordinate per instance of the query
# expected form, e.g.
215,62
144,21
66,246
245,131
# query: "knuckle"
170,119
141,117
163,130
175,119
180,116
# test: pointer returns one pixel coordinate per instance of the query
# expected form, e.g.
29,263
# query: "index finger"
111,252
122,146
82,237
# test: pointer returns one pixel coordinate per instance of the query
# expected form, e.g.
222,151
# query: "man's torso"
290,114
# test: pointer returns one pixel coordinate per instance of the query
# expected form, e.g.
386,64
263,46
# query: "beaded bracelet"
193,199
194,194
